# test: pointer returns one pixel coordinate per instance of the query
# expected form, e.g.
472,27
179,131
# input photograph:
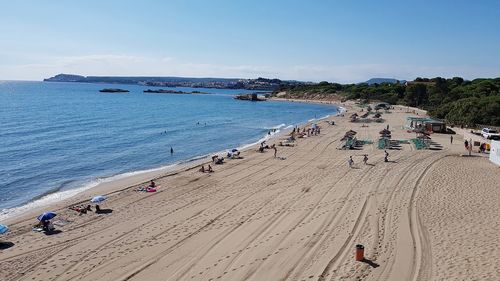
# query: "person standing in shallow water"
171,150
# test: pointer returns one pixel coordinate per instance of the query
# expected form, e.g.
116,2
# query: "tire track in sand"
173,247
422,253
354,232
154,221
261,234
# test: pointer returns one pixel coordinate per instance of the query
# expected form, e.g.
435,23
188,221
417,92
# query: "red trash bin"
360,252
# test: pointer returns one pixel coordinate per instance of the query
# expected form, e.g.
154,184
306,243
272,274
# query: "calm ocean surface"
65,136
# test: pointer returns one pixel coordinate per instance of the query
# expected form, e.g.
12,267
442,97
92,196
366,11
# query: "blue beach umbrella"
46,216
98,199
3,228
234,150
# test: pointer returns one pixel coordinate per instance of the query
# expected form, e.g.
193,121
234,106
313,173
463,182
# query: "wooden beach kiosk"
428,124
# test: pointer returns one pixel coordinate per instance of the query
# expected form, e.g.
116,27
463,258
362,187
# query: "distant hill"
262,84
131,79
384,80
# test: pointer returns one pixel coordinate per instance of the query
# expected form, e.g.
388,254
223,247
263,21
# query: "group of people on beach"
46,226
271,131
313,131
469,145
350,161
152,187
84,209
217,160
81,209
207,170
234,154
264,146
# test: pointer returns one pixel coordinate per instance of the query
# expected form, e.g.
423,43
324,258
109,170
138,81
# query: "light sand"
429,215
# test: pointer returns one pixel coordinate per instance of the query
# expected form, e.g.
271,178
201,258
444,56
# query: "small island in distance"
113,90
162,91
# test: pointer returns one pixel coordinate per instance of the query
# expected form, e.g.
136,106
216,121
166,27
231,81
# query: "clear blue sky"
337,41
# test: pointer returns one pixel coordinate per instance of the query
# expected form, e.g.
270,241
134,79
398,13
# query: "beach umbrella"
98,199
234,150
46,216
3,228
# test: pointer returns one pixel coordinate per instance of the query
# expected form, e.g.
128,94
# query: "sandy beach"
424,215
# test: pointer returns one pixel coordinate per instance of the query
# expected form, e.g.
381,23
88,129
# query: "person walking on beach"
365,159
350,162
451,139
275,150
386,158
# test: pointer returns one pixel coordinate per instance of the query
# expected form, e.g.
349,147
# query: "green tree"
416,95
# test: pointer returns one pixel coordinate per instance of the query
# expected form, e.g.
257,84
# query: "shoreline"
114,183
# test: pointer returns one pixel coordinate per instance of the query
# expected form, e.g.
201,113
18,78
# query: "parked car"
490,134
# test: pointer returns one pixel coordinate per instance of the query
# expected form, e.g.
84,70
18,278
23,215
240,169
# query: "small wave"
196,158
276,127
53,190
43,201
55,194
269,135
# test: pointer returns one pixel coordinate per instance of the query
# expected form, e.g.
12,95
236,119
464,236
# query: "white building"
495,152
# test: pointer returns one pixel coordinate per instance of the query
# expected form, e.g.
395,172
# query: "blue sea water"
62,136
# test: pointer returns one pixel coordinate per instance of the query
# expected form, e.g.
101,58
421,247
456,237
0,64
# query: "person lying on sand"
236,155
81,210
219,161
286,144
150,188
